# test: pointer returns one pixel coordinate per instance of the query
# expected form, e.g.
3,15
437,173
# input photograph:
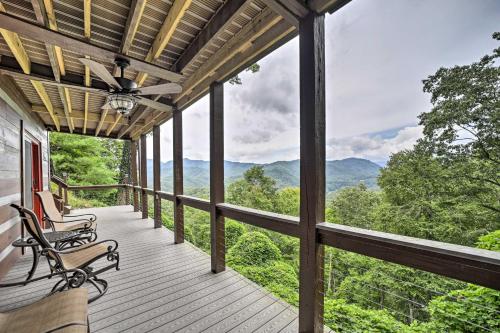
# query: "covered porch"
163,286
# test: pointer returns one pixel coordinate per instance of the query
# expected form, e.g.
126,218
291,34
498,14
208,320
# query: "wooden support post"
217,243
127,192
156,176
312,170
144,177
178,178
66,201
133,171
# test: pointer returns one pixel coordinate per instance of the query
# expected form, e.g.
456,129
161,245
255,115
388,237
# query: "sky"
377,54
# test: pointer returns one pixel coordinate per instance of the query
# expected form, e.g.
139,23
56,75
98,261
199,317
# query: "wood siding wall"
10,177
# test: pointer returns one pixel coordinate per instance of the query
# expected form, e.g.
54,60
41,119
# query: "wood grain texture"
217,239
134,173
156,176
144,176
178,177
312,170
162,287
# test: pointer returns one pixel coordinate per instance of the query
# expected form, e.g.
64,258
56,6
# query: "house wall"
11,169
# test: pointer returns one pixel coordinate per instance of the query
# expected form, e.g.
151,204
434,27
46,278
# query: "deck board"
162,287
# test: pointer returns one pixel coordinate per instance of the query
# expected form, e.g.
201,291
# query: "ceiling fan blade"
74,86
153,104
101,71
161,89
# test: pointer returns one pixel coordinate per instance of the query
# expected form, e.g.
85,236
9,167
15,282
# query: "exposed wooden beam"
134,119
238,43
271,39
52,24
165,33
28,29
66,101
80,115
40,89
323,6
296,7
133,20
44,11
87,16
43,73
224,16
101,122
284,12
312,170
22,58
16,46
12,95
113,125
87,8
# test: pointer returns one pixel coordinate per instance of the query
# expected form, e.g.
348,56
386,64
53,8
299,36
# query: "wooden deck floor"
163,287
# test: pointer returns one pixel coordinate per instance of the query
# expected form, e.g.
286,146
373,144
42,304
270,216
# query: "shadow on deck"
163,287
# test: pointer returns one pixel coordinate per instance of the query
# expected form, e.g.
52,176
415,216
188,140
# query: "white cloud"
377,53
374,147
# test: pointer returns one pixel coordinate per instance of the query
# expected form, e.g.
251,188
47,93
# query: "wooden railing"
467,264
463,263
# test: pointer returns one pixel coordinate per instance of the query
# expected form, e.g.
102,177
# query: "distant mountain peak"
339,173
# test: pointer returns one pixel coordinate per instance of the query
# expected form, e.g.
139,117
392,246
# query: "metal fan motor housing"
127,85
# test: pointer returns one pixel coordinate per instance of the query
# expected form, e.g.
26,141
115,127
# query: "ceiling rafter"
221,20
241,41
165,33
87,15
45,15
36,32
101,122
79,115
16,46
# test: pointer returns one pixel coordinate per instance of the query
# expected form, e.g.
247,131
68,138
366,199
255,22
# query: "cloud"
376,58
376,147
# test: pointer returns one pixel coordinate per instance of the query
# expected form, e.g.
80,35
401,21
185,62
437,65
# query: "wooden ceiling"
194,42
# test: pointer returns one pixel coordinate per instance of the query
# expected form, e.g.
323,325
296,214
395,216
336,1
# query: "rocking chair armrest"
111,248
92,217
87,223
61,272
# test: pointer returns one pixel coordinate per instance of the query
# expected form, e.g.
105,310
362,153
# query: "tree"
472,309
87,161
353,206
463,128
253,249
255,190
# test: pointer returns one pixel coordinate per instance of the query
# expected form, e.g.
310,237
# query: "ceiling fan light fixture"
122,103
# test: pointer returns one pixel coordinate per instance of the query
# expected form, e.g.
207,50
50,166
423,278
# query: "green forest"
446,188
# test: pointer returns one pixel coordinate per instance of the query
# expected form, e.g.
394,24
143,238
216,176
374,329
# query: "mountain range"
339,173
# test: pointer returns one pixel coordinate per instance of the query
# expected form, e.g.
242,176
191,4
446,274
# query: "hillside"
339,173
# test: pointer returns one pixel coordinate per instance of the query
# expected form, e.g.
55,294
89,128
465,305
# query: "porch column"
178,178
156,176
217,239
312,170
144,177
133,172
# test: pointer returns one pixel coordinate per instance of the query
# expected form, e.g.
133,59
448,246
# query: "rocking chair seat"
85,254
66,312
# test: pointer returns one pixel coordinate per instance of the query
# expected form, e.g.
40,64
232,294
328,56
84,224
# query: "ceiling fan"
123,93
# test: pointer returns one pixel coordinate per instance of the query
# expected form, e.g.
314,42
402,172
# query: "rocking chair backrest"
31,224
49,206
